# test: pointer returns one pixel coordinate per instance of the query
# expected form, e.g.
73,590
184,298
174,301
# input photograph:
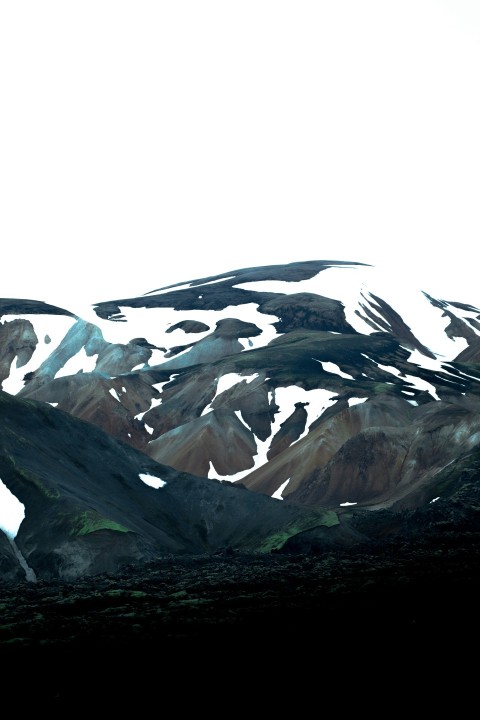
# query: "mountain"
225,474
277,407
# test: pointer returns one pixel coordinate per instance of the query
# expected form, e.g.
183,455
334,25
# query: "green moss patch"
277,540
90,521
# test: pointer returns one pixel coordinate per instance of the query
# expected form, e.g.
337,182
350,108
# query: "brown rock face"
289,431
219,438
366,469
382,452
17,340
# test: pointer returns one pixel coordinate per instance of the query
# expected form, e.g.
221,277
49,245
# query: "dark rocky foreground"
160,630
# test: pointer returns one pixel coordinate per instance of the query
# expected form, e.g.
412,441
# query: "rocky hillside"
310,405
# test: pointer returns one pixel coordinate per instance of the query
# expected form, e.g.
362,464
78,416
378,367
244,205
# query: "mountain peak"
318,386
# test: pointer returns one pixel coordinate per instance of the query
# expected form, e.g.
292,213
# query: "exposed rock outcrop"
282,380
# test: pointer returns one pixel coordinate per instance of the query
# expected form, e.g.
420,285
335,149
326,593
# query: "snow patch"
355,401
152,480
225,382
278,493
12,511
353,286
81,362
333,368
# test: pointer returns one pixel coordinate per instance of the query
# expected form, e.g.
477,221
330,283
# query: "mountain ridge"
317,406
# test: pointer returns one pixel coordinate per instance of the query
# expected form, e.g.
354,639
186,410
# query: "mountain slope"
323,384
90,506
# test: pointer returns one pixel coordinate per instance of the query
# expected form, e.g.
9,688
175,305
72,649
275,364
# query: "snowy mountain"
323,384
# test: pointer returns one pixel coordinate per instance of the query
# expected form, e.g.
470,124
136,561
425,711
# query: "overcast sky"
148,143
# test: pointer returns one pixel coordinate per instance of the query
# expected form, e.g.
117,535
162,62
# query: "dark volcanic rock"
88,511
206,615
10,569
189,326
307,311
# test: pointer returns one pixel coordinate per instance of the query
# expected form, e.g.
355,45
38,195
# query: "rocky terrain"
212,619
409,594
235,474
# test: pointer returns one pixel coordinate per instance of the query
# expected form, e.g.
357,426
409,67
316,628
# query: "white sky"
149,143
